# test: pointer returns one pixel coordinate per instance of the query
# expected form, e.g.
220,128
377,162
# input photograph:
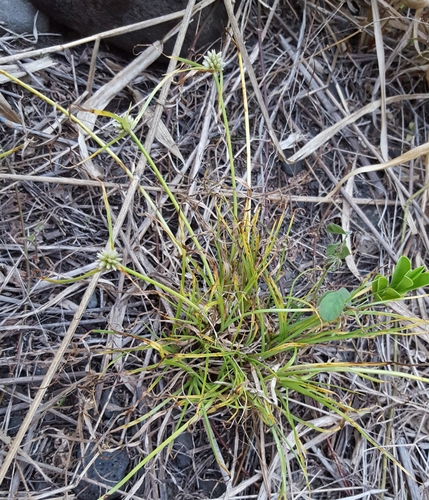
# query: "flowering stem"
218,78
214,63
175,204
72,280
157,284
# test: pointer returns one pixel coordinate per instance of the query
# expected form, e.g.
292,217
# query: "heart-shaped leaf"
332,304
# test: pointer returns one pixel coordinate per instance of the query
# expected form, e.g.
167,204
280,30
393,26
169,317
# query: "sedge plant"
235,337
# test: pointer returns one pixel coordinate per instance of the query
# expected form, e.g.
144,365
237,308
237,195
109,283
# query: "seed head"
128,118
213,60
108,260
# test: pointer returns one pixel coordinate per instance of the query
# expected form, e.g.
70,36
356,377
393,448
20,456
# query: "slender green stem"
175,204
109,216
163,287
218,78
73,280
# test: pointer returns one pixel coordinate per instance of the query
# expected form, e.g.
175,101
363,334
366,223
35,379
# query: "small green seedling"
404,280
333,303
338,251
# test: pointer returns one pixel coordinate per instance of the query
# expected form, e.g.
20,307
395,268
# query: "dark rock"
110,403
292,169
109,468
88,17
182,445
19,16
212,488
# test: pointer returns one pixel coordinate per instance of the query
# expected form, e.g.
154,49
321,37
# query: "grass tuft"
231,337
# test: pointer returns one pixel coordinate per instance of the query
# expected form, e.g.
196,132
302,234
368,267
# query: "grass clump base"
235,343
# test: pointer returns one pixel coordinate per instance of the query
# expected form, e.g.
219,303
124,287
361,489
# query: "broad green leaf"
335,229
404,286
380,283
389,294
332,304
344,293
421,281
344,252
402,268
415,273
332,249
